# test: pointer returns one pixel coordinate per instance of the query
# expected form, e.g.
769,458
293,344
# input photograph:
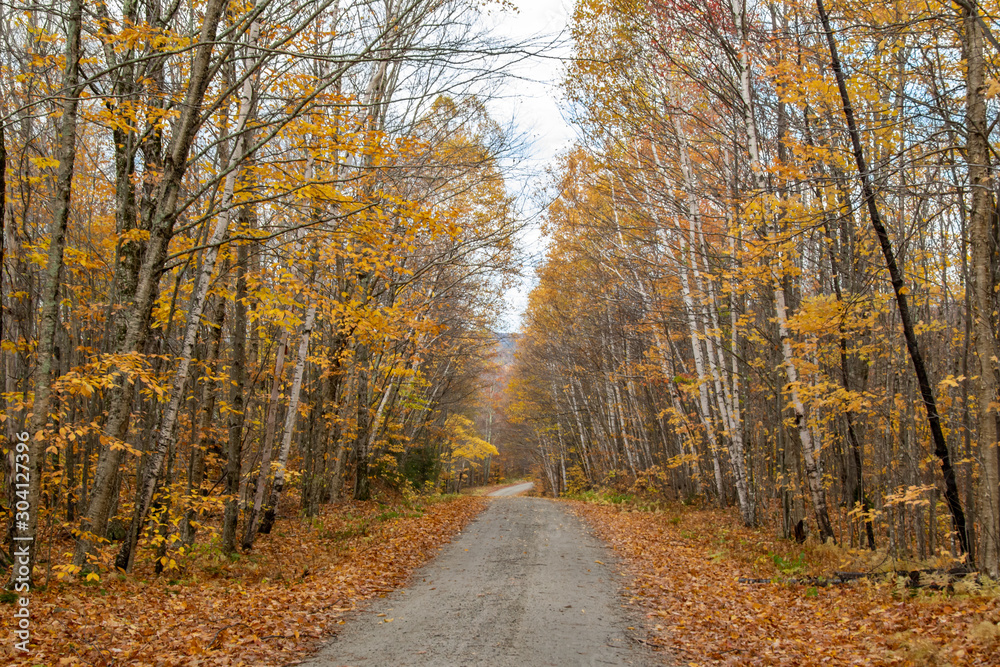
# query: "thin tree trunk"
858,495
810,452
265,457
210,389
916,357
290,418
237,403
362,366
24,533
713,343
699,364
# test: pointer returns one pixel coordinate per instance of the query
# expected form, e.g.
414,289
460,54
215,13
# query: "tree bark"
896,275
981,218
237,402
196,464
290,419
161,229
250,526
126,554
25,530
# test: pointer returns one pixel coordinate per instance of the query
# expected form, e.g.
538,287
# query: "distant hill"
507,342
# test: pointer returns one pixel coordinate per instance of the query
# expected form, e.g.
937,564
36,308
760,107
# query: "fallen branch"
223,629
933,579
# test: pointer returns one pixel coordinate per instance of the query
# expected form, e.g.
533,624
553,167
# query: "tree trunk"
144,493
290,418
362,367
858,495
265,457
210,389
980,222
161,231
237,402
25,526
916,357
810,451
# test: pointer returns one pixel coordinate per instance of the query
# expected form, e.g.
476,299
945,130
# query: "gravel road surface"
524,585
512,490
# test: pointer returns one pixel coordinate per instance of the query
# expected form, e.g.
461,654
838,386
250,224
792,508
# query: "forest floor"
269,607
687,563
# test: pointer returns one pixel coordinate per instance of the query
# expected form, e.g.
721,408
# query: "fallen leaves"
701,612
269,607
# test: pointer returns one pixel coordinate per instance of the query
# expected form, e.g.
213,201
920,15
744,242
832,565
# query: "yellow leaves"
992,87
45,162
818,315
143,37
133,235
66,570
465,443
950,381
77,384
680,460
118,445
323,192
910,496
37,258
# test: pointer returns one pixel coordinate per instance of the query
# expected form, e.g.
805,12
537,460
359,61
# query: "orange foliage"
269,608
686,575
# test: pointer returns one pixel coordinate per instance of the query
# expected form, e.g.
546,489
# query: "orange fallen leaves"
269,608
701,612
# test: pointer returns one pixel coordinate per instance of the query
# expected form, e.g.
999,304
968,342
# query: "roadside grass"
268,606
687,561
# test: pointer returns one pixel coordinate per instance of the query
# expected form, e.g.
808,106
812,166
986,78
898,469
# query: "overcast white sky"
531,98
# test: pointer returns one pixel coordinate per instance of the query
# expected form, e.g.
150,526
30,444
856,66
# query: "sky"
530,99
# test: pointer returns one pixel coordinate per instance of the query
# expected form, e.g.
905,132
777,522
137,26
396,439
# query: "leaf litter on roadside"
686,574
269,607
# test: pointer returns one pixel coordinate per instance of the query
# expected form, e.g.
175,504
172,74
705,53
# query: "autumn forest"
256,257
773,272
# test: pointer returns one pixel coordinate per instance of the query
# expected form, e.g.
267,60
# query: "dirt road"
525,585
512,490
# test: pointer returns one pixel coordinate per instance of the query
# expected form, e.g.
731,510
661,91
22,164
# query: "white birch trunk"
165,436
810,448
265,455
669,373
699,365
291,417
711,329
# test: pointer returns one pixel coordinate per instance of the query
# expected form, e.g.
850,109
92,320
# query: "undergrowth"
769,554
